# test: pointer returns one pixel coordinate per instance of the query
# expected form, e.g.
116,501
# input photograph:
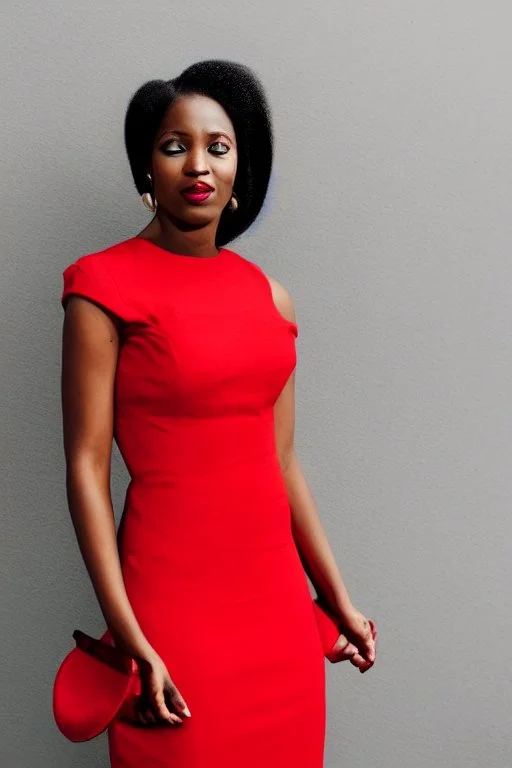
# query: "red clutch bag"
327,626
97,683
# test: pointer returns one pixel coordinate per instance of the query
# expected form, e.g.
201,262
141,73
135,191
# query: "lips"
198,193
198,187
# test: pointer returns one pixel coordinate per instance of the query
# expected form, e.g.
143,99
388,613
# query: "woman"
184,351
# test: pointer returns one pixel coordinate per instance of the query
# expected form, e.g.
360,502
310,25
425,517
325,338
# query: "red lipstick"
197,192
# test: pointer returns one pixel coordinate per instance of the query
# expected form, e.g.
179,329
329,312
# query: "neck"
200,242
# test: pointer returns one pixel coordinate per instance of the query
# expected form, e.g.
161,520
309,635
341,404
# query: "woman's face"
195,143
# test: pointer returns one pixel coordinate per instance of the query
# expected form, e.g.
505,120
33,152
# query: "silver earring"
233,204
147,199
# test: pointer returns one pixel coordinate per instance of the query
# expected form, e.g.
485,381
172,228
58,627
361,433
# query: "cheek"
168,169
227,172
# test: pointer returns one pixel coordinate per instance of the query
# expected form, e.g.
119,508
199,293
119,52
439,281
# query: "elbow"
86,466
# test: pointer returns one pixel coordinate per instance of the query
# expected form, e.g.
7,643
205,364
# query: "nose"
196,163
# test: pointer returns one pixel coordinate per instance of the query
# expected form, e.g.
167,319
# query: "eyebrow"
209,133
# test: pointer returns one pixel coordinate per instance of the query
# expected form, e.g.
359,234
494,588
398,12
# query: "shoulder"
280,294
110,259
282,298
105,276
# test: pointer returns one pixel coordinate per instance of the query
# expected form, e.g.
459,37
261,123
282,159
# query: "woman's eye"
215,143
166,148
220,144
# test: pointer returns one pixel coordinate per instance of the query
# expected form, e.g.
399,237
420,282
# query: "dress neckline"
185,257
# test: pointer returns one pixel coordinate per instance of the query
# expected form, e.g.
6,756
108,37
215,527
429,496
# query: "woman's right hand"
344,649
160,700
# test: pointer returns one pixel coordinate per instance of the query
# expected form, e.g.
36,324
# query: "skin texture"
90,346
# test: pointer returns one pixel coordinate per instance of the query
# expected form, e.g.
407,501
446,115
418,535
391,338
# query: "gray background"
389,221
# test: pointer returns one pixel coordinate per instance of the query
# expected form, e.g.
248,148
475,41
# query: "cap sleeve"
90,278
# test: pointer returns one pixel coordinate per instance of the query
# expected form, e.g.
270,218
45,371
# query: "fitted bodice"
205,348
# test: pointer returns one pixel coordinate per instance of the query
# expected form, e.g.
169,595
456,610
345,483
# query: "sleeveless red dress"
205,541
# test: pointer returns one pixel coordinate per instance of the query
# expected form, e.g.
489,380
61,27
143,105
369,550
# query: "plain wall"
388,220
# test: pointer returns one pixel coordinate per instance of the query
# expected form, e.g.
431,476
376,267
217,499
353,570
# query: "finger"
345,652
341,649
358,661
150,717
178,703
161,710
368,645
369,653
366,665
362,664
350,651
374,634
341,643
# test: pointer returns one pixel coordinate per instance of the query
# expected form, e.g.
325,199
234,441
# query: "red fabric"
88,694
327,627
205,541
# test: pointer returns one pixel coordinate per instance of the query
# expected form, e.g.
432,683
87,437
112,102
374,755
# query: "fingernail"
187,712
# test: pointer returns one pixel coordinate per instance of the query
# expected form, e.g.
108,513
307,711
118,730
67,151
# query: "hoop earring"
233,203
150,202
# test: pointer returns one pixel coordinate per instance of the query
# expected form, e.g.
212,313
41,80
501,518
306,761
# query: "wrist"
133,646
340,605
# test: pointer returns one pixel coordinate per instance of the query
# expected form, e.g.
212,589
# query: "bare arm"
90,345
312,544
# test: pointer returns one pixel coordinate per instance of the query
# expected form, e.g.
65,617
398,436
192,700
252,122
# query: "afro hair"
238,90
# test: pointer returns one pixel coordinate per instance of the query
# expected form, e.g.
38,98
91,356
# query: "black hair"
238,90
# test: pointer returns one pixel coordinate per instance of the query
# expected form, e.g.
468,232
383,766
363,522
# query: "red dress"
205,541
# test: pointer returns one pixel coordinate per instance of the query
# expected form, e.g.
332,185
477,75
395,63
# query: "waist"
188,517
185,447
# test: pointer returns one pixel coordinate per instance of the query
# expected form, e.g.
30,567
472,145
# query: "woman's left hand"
358,641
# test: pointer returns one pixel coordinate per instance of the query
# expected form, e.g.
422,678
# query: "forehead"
196,114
